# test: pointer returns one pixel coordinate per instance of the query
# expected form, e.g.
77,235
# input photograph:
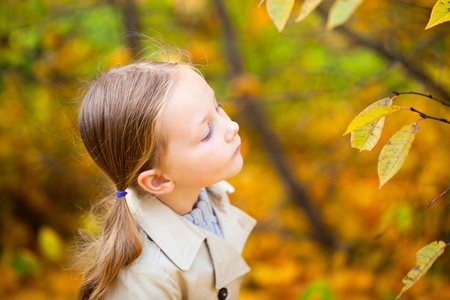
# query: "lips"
237,149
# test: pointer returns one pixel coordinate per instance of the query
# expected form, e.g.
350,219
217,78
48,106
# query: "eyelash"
209,135
210,132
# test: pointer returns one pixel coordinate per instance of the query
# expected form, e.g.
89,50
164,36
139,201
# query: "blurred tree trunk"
130,18
269,139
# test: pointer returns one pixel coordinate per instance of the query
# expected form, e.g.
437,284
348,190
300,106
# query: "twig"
425,116
413,5
379,47
412,68
440,196
420,94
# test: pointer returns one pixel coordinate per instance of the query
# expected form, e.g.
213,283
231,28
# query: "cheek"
213,161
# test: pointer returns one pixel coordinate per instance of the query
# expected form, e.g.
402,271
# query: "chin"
238,167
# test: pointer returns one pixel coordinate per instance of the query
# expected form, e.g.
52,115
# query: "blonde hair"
119,124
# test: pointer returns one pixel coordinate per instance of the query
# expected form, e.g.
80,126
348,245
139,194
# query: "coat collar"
180,240
171,232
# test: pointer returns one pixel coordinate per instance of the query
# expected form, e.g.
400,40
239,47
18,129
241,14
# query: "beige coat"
183,261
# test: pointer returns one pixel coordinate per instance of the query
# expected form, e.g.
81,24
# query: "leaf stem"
420,94
440,196
425,116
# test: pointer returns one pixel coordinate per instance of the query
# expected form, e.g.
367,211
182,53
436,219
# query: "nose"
233,129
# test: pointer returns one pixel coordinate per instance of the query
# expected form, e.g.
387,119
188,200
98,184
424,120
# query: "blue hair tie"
121,194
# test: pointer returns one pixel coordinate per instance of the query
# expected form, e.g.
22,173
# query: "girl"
156,130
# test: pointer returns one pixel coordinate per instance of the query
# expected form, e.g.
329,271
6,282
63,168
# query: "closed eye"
209,135
210,132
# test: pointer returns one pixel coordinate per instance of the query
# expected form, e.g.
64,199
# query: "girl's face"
203,145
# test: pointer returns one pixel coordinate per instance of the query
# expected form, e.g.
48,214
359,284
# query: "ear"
154,183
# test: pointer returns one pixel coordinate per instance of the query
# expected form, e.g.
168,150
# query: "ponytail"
120,245
120,128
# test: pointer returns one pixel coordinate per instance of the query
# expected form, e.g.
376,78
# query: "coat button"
222,294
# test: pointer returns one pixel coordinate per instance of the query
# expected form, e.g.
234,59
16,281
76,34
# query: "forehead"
188,101
188,79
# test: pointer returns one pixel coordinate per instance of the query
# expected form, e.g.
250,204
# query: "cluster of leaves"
340,12
366,129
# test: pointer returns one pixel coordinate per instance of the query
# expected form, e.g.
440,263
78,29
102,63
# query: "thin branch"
420,94
438,197
376,45
425,116
413,5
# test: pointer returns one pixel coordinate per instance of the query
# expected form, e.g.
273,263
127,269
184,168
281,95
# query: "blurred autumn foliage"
324,229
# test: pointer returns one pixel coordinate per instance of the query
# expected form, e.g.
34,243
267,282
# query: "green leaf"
25,263
106,20
279,12
341,11
399,216
49,242
37,6
307,7
367,136
425,259
370,116
395,151
318,287
439,14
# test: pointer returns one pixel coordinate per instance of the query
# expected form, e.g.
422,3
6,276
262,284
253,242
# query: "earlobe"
154,183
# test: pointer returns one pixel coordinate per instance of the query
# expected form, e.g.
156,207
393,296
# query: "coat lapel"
235,224
228,263
171,232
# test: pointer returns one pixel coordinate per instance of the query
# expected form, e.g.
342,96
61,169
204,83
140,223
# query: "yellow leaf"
341,11
395,151
367,136
307,7
425,258
279,12
370,116
439,14
49,242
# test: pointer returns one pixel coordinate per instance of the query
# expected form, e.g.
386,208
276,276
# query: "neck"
181,201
